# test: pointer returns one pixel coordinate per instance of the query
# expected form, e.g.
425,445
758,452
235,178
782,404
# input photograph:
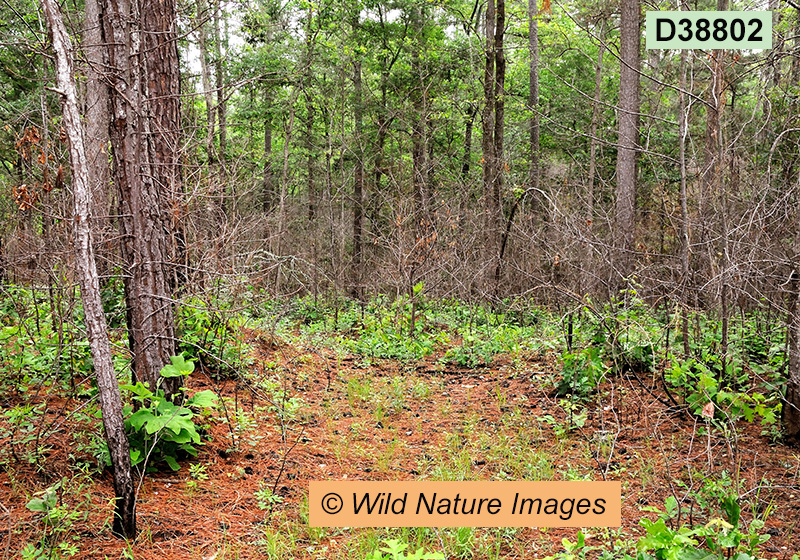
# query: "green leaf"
155,424
672,506
178,368
139,390
48,500
173,464
730,505
140,418
695,554
203,399
183,436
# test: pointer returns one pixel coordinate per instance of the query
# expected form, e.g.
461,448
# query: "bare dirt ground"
324,416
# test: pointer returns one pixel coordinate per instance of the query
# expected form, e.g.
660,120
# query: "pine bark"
143,75
97,118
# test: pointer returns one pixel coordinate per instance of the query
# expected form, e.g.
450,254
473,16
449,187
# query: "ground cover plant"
324,390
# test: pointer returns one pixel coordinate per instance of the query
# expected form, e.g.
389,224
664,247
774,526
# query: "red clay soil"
428,412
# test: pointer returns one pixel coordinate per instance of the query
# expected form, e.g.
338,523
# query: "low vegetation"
281,392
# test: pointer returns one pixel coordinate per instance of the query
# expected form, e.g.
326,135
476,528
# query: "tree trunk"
593,141
159,23
791,408
533,93
110,399
205,76
487,139
222,104
96,118
683,109
630,40
268,186
358,185
418,132
495,92
310,182
499,110
143,74
488,145
469,121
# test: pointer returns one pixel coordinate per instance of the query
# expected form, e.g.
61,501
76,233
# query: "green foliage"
400,331
412,327
209,337
581,372
576,417
579,550
265,499
479,347
723,538
61,506
393,549
42,337
699,386
629,331
112,292
160,430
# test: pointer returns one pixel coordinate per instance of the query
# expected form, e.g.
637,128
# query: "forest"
250,244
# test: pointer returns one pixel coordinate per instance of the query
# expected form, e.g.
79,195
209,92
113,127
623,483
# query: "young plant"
582,371
723,538
395,550
161,430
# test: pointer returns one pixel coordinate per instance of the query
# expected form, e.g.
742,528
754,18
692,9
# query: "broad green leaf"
139,390
203,399
140,418
173,464
178,368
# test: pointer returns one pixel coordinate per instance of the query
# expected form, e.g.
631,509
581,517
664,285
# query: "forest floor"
332,416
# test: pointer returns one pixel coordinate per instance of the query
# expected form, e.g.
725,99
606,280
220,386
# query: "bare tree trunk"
222,104
713,184
358,185
205,77
630,42
96,118
159,23
268,187
598,92
110,398
469,122
711,151
487,140
533,94
383,126
499,110
143,74
283,213
683,109
310,181
791,408
418,131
